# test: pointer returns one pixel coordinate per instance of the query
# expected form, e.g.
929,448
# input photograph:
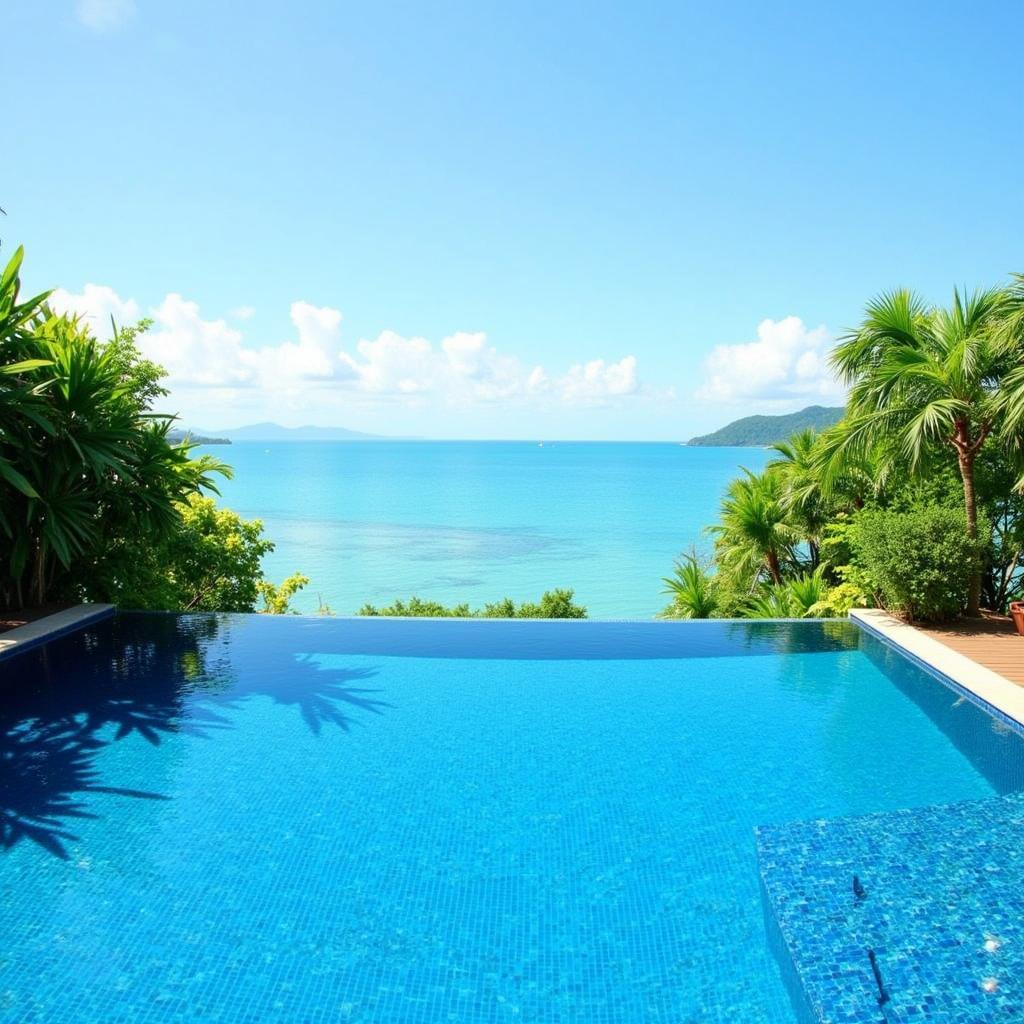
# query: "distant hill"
761,431
275,432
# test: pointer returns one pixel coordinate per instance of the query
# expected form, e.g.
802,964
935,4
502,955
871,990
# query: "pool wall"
989,690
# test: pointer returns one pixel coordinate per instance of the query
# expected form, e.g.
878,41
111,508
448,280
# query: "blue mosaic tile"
941,907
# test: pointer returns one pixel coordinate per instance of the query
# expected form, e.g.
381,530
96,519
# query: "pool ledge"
21,638
989,687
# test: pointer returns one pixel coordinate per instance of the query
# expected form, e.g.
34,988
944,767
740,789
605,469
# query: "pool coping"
994,692
32,634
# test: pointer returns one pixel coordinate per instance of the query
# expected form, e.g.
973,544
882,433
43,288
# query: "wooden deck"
990,641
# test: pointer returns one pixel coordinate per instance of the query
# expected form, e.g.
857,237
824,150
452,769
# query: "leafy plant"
210,561
416,607
691,589
922,560
554,604
277,596
934,421
799,598
841,599
92,463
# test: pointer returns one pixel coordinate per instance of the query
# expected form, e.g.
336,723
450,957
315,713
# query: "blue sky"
498,220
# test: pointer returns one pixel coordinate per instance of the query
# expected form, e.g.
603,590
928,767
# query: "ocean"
477,521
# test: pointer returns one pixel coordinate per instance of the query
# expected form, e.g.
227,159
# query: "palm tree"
802,496
922,380
755,536
1010,337
691,590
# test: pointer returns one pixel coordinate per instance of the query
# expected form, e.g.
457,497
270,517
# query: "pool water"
251,818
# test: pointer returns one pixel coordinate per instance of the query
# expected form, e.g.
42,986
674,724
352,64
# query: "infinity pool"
249,818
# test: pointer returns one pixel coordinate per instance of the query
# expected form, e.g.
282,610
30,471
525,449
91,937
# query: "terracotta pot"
1017,611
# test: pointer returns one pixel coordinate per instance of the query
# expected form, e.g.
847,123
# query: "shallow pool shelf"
938,901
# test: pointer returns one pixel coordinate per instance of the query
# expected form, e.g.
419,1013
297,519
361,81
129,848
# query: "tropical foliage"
913,500
209,562
553,604
693,593
756,535
798,598
277,597
925,384
96,501
909,557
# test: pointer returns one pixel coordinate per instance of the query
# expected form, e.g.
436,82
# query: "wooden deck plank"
991,641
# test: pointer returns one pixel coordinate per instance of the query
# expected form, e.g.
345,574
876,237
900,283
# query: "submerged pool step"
938,933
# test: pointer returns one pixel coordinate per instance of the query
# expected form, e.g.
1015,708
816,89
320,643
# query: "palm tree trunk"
966,461
40,574
772,561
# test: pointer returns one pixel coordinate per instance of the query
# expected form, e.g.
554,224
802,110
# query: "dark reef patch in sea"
426,542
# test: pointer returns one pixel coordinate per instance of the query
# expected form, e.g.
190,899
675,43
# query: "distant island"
275,432
761,431
178,434
749,432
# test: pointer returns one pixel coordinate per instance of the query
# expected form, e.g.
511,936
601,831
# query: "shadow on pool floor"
62,703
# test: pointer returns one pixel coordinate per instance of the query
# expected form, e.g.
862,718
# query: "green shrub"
554,604
920,561
840,599
417,608
209,561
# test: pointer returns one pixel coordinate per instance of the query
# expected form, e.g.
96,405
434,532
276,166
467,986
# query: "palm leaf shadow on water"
150,676
329,699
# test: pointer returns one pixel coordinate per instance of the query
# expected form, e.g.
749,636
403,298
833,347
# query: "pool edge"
32,634
994,693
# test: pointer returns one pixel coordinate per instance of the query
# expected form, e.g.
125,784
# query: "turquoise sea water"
478,521
289,820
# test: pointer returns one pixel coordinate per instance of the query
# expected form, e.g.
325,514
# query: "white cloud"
103,15
314,356
96,304
197,352
491,374
787,362
393,364
599,380
244,312
202,353
463,369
